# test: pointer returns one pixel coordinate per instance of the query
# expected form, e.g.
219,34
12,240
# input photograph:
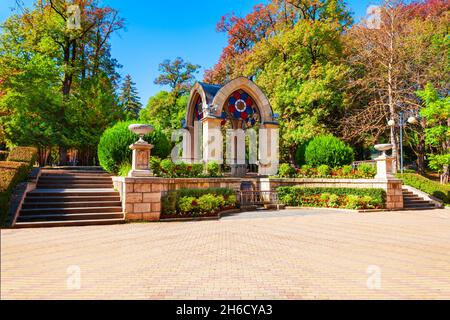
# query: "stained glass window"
242,106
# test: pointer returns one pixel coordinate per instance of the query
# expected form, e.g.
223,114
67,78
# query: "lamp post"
404,118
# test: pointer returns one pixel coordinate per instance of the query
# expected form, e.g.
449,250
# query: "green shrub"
186,204
286,171
167,168
328,150
213,169
23,154
124,169
3,155
325,196
210,203
333,201
347,170
367,170
114,147
230,200
197,170
433,188
171,200
155,165
324,171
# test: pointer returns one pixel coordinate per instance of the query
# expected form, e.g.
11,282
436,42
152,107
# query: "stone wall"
141,197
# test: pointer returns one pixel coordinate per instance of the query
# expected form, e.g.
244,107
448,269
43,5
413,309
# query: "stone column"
393,187
141,158
212,140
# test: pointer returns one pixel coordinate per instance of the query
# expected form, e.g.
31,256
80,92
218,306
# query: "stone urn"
141,130
383,148
141,151
384,162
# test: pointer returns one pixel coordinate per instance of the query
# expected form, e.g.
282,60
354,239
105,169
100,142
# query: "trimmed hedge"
173,199
351,198
23,154
431,187
11,173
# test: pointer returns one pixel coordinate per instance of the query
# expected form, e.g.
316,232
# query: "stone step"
74,173
68,223
93,198
73,178
74,186
420,208
73,192
416,201
76,216
36,205
44,211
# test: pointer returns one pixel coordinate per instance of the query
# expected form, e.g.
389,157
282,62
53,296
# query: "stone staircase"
411,201
71,198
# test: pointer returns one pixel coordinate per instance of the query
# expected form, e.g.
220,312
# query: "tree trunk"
421,154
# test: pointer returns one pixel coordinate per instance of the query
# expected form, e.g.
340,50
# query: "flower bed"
197,202
348,198
364,171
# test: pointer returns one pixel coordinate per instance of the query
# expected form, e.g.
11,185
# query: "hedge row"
23,154
352,198
171,201
12,172
431,187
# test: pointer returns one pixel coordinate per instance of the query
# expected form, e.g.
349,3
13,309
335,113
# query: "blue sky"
158,30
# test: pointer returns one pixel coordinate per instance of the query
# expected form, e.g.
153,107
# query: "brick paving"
310,254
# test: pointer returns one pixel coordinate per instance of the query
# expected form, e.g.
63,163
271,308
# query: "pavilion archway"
239,104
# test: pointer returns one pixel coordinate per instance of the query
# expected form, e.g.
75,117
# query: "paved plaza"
303,254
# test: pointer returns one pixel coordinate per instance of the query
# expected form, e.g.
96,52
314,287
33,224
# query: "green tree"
436,112
129,99
179,75
165,111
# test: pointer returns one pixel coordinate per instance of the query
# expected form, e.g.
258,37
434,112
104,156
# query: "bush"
113,149
367,170
433,188
286,171
347,170
3,155
324,171
332,197
210,203
187,204
155,166
124,169
213,169
171,201
23,154
167,168
328,150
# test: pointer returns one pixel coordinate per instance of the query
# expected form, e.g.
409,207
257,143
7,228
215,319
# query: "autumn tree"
391,56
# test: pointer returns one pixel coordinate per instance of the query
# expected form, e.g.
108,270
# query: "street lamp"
404,118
